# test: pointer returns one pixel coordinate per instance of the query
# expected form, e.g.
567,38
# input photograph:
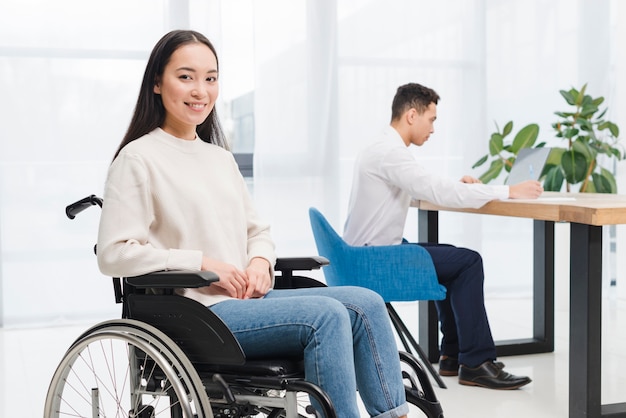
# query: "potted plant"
588,137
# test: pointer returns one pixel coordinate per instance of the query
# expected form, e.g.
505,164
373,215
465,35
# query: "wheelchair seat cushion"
259,367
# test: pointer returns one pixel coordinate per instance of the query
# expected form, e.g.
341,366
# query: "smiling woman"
178,94
188,89
175,200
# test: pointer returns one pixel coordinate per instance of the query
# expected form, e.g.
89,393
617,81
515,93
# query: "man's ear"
410,115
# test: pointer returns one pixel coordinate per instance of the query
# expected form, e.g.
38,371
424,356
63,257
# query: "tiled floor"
29,357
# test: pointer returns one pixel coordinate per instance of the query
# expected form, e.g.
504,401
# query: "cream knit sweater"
168,202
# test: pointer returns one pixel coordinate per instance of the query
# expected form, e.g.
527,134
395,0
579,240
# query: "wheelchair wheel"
126,368
419,392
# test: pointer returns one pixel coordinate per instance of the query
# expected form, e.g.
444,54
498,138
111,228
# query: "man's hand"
529,189
259,278
470,180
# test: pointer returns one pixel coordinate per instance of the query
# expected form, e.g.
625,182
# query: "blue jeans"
344,334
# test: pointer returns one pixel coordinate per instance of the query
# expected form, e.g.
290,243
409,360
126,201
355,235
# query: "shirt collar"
392,135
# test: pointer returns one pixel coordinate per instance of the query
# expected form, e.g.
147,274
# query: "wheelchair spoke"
119,373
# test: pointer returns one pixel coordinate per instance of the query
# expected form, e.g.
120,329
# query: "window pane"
79,24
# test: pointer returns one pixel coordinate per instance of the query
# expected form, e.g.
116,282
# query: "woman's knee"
359,294
329,309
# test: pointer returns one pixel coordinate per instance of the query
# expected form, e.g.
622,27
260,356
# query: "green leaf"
554,180
583,148
509,164
570,132
493,171
585,125
525,138
582,91
569,97
480,161
555,155
578,98
603,184
574,165
587,101
507,128
603,125
496,144
616,153
590,188
598,101
610,179
614,129
588,111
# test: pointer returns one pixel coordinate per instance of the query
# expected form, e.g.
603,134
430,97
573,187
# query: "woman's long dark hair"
149,111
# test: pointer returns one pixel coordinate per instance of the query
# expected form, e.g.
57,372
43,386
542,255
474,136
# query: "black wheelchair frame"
171,356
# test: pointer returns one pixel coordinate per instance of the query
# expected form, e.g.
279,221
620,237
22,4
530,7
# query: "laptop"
528,165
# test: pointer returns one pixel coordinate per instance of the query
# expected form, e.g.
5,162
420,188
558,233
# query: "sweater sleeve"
123,247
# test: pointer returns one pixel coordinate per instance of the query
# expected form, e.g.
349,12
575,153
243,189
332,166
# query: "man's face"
422,125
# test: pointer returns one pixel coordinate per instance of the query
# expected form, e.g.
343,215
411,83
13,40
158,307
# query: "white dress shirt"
386,178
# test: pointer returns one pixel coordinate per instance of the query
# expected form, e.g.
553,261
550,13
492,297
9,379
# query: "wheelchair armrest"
290,264
173,279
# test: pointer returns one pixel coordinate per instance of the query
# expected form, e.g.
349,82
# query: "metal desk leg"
585,320
428,231
585,345
543,284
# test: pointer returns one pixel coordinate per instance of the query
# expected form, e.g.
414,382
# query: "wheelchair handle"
77,207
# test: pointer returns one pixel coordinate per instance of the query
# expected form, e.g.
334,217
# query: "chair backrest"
330,245
396,272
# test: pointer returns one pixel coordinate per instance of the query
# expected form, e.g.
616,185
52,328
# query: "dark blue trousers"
464,324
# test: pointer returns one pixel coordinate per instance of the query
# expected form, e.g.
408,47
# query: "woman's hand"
259,278
233,281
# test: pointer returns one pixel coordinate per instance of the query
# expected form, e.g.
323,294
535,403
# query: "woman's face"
188,89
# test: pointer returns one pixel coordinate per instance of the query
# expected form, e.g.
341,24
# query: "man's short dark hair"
414,96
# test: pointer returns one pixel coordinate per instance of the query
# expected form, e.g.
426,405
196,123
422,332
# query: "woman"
174,199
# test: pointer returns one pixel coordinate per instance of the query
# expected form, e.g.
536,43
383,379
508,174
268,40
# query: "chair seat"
396,272
259,367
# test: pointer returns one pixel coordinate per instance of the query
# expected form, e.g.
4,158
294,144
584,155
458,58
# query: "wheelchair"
170,356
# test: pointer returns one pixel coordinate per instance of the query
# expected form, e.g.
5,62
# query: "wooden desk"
587,214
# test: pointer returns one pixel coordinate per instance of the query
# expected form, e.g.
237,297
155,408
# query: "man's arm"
529,189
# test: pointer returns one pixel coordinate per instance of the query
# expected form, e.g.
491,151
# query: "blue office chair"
396,272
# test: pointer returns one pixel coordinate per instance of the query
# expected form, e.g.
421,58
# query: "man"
386,178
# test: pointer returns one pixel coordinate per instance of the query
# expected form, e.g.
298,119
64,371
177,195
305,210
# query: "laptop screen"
528,165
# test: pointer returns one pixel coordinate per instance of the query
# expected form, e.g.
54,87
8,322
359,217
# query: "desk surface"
585,208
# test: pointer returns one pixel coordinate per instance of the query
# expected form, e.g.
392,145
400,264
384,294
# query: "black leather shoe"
449,366
490,375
